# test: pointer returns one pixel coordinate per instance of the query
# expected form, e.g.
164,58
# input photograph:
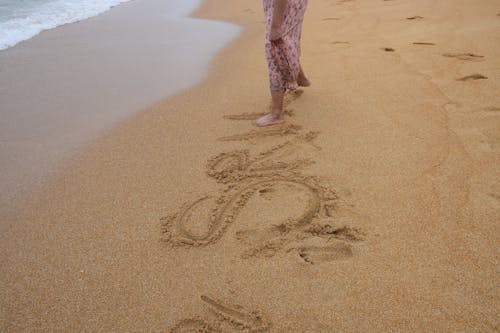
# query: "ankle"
277,113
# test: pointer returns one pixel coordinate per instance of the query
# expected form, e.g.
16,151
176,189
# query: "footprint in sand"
473,77
492,109
387,49
321,254
464,56
424,43
292,96
494,191
416,17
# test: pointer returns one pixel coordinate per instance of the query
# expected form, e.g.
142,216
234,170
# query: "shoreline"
373,209
43,25
77,79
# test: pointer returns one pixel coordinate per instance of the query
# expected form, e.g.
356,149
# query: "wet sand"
374,209
67,86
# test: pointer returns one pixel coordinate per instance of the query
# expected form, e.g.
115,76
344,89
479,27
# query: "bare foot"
302,81
269,120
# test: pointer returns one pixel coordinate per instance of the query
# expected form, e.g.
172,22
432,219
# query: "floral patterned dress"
283,57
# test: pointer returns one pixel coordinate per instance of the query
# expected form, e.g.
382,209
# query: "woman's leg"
275,117
302,80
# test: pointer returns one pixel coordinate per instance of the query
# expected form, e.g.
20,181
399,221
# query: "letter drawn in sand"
237,318
193,325
229,205
246,177
236,315
283,130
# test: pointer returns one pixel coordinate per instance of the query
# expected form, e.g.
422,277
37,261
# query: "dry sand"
375,209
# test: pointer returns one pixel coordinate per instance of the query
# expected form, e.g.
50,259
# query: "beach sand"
84,78
375,208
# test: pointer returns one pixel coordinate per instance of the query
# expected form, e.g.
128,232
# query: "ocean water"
22,19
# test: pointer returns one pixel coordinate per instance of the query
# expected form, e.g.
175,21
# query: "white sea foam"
23,19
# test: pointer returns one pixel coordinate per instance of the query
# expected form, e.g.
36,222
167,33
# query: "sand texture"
375,208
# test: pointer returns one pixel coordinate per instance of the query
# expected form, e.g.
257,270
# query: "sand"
84,78
374,209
